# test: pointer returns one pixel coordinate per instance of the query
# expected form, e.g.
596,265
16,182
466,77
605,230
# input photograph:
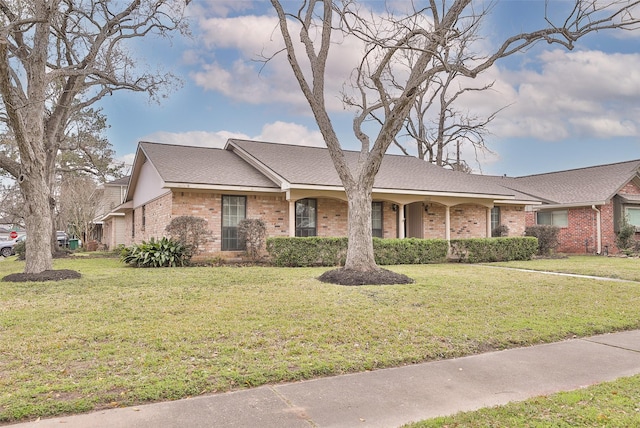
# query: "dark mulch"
47,275
344,276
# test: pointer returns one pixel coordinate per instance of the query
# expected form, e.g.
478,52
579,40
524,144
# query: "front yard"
121,336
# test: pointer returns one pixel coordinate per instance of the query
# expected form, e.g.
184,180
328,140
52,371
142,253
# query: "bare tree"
428,33
80,200
58,57
433,136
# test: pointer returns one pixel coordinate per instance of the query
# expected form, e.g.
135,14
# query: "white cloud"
194,138
588,94
291,133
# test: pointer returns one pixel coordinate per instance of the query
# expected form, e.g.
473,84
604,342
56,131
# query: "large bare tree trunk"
360,255
39,225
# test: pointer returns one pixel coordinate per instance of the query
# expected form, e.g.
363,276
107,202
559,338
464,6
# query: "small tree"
500,230
192,232
547,237
626,238
252,232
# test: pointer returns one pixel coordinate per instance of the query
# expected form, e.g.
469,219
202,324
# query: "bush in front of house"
547,237
21,250
314,251
409,251
163,252
626,239
252,232
311,251
482,250
191,231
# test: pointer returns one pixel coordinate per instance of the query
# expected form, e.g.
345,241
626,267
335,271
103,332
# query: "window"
632,214
553,218
306,217
144,217
376,219
133,224
495,218
234,210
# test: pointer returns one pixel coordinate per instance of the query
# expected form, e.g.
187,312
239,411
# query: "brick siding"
467,221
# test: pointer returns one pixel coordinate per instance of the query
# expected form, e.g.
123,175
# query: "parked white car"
6,247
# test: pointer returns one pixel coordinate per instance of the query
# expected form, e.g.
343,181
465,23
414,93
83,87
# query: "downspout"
598,229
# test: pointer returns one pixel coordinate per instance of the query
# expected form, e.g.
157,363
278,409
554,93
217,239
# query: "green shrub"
316,251
409,251
626,238
547,237
481,250
311,251
21,250
163,252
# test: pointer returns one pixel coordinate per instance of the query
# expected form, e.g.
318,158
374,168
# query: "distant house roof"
589,185
124,181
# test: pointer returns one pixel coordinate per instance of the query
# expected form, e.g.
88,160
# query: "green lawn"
121,336
610,404
612,267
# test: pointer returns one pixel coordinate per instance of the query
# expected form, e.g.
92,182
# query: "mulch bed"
344,276
47,275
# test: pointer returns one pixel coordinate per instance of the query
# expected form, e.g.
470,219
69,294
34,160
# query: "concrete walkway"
390,397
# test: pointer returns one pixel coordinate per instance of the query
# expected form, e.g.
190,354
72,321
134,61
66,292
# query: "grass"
121,336
612,267
610,404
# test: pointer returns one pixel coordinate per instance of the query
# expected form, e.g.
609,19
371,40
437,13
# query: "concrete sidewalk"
391,397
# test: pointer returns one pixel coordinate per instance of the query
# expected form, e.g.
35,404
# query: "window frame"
496,218
377,232
554,217
229,234
307,230
628,208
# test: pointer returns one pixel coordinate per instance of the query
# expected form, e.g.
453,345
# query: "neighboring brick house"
109,224
588,204
297,192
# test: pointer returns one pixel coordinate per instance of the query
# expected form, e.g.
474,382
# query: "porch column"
401,221
447,223
488,222
292,218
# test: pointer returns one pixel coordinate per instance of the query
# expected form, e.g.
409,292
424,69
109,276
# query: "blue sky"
566,109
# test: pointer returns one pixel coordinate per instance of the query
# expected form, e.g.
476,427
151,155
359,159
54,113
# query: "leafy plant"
500,231
252,232
20,249
191,231
482,250
626,238
163,252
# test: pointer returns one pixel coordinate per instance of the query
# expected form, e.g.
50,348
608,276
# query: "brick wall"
514,218
580,236
468,221
332,217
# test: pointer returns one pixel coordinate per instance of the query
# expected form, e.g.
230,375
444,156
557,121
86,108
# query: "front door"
414,221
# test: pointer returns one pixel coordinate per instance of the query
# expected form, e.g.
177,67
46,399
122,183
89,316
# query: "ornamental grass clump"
163,252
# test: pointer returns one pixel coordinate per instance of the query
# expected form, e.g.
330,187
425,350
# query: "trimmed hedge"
312,251
409,251
480,250
315,251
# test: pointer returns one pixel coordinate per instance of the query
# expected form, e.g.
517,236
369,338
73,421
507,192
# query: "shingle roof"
305,165
590,184
312,166
119,182
203,165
